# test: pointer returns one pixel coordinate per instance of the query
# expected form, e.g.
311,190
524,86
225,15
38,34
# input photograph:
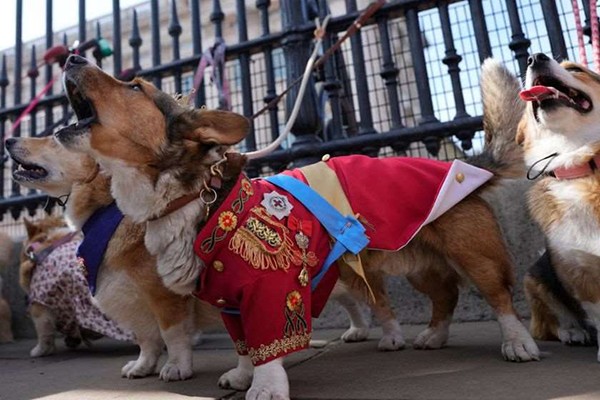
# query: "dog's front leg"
240,377
270,382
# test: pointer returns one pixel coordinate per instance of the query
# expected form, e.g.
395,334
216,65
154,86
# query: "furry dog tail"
502,111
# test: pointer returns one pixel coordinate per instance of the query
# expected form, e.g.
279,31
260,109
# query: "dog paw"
42,350
355,334
431,338
574,336
136,369
265,394
174,372
391,342
236,379
517,343
520,350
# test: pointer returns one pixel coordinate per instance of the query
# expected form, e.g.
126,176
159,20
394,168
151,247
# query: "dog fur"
129,290
6,248
156,151
560,131
44,233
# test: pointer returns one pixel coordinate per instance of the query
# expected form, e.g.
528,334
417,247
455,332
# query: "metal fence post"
296,49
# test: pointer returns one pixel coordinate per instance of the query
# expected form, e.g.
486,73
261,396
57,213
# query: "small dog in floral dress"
59,297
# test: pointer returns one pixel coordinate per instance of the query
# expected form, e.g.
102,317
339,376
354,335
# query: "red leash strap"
57,54
32,104
594,35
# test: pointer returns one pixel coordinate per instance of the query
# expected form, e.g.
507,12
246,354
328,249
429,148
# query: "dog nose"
75,60
537,59
8,143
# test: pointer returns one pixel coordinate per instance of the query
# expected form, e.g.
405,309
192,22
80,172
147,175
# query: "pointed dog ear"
217,126
31,228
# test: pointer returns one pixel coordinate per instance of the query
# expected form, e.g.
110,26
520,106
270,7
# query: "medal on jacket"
304,231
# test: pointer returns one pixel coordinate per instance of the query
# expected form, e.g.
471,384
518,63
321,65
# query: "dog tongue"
539,93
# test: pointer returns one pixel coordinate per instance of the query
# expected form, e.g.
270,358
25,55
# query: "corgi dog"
60,300
128,288
255,250
561,142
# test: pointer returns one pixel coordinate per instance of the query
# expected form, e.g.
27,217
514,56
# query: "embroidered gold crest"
263,242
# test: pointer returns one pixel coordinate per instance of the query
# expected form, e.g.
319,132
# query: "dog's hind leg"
359,327
392,338
44,322
442,289
470,237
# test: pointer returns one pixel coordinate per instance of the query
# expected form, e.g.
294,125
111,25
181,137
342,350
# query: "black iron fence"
407,83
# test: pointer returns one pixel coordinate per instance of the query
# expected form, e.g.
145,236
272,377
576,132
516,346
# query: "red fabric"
394,195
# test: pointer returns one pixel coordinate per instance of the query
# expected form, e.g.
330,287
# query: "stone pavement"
471,367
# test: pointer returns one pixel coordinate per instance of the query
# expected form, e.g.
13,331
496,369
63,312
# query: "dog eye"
137,87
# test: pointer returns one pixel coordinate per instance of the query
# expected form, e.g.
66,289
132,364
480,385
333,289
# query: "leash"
59,54
595,34
356,25
215,57
311,65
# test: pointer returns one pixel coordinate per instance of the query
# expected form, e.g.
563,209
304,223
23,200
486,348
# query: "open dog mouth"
82,106
547,92
28,172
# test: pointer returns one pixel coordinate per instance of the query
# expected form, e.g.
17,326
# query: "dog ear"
217,127
31,228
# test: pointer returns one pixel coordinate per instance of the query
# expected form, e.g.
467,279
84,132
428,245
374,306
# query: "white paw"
517,343
432,338
174,372
355,334
137,369
519,350
265,394
391,342
270,382
42,350
236,379
574,335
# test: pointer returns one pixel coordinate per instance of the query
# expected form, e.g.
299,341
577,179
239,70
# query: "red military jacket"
262,247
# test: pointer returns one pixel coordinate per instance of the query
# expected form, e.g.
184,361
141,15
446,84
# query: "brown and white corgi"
129,290
561,140
173,168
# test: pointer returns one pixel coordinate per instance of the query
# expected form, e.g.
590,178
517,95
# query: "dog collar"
577,171
97,231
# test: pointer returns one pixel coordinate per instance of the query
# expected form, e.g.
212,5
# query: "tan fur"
567,210
129,289
543,324
6,249
43,232
466,240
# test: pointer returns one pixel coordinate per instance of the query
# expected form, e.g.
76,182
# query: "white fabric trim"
453,191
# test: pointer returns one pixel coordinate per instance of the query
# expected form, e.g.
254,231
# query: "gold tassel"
253,251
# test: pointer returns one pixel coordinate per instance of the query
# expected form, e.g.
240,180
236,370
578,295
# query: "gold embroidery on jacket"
227,220
240,346
278,347
263,242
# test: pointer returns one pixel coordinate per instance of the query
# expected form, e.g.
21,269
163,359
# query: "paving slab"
471,367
